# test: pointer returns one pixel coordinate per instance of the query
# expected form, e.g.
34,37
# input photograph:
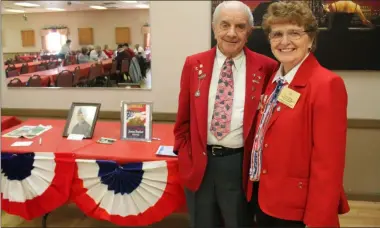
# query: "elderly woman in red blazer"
298,155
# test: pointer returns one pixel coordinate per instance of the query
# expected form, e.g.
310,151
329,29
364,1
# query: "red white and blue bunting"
33,184
133,194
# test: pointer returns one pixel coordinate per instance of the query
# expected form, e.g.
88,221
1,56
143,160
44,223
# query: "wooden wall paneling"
28,38
85,36
122,35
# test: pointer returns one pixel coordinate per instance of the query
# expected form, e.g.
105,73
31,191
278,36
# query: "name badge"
288,97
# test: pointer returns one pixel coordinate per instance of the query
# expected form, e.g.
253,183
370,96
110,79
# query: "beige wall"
102,22
178,28
361,176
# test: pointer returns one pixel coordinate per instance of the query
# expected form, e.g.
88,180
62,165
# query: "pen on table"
40,141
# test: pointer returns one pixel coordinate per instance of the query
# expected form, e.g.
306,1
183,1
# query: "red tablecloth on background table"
52,140
87,156
53,73
8,122
27,58
127,151
120,151
32,66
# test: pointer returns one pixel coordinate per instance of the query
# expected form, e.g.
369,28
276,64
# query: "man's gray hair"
233,5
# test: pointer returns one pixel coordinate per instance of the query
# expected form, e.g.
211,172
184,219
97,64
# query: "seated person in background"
65,50
123,54
148,54
139,50
119,49
89,49
130,51
83,57
108,51
98,54
348,7
82,127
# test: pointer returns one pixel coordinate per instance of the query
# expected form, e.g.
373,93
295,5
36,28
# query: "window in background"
54,42
147,40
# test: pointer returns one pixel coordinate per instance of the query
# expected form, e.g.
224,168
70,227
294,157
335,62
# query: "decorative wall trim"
363,197
157,116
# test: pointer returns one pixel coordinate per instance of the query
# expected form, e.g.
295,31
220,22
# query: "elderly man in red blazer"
218,102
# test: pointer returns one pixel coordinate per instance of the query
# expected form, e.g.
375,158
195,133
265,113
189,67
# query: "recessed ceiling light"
55,9
26,4
143,6
98,7
15,11
130,1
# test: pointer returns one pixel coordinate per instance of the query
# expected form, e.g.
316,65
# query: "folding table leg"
44,220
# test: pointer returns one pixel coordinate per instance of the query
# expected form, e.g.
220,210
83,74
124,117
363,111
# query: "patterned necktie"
221,117
256,156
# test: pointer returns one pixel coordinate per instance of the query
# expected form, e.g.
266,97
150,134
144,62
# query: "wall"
177,32
102,22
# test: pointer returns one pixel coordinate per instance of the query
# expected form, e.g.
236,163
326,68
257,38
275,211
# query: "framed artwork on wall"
349,32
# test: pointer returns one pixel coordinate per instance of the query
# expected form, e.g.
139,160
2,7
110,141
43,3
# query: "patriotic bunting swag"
34,184
134,194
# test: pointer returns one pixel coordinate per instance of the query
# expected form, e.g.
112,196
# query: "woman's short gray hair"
233,5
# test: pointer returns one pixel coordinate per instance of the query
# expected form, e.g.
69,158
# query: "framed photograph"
82,119
136,121
348,35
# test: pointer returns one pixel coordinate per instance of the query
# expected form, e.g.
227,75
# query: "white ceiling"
70,5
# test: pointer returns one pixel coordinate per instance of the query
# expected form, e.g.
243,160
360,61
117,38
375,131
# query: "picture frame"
345,41
136,121
86,117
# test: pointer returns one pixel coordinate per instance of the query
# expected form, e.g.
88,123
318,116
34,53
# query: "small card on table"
104,140
77,137
165,151
22,143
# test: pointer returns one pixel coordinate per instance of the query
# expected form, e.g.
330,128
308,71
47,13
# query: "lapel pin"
255,81
278,108
202,76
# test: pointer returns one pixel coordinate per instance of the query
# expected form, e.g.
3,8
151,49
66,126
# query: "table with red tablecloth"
8,122
124,183
28,58
32,66
51,75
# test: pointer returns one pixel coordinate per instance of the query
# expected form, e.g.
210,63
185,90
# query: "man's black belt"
221,151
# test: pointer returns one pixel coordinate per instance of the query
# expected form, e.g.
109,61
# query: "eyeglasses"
277,36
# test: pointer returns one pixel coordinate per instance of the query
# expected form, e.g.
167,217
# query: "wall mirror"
76,44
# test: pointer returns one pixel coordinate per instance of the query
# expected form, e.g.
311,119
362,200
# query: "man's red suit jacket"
190,130
304,150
